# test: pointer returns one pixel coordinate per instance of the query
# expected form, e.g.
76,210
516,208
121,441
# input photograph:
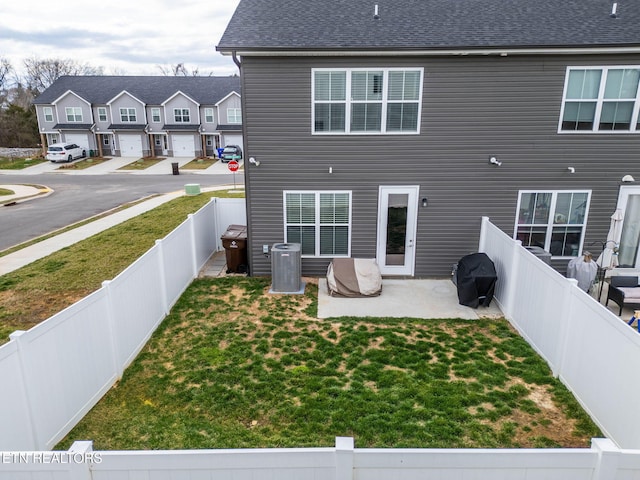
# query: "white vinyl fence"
603,461
54,373
593,352
66,370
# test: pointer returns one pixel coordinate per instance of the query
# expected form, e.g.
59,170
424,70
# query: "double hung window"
181,115
319,221
208,115
601,100
74,114
553,220
128,115
102,114
48,114
155,115
356,101
234,116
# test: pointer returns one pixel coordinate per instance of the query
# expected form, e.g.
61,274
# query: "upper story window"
48,114
234,116
377,101
208,115
319,221
181,115
74,114
155,115
102,114
128,115
553,220
601,100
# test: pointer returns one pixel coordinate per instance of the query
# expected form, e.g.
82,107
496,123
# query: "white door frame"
407,267
623,199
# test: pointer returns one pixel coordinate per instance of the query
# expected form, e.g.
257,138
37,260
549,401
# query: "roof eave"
444,51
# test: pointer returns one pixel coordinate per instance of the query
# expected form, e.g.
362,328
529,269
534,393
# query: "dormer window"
128,115
181,115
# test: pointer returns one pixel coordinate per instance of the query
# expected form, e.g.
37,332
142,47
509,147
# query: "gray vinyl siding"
474,107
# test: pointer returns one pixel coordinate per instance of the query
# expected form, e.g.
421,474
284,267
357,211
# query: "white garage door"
232,140
79,139
130,145
183,145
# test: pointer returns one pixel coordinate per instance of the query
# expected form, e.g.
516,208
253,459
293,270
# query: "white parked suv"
65,152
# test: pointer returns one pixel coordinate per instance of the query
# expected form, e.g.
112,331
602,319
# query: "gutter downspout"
234,56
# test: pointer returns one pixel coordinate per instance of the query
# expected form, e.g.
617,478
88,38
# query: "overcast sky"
125,37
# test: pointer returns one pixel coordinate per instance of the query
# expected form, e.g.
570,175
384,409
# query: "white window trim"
47,112
317,224
153,112
209,112
233,119
75,113
348,102
101,111
128,115
181,115
550,224
599,102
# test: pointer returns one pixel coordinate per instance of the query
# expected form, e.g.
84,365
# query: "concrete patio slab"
414,298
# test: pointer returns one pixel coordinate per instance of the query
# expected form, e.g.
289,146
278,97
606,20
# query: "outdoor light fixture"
628,179
495,161
254,161
424,201
571,169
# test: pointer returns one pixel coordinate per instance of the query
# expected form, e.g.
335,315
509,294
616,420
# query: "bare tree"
5,70
41,73
179,70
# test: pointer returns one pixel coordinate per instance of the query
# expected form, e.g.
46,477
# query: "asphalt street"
77,197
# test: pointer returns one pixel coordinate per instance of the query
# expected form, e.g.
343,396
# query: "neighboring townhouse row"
142,115
400,123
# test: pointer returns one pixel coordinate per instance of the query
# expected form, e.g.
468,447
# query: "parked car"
231,152
65,152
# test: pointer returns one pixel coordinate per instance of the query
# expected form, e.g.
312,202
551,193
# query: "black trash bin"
234,241
174,166
475,278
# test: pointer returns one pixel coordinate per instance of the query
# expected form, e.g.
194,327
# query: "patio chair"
623,291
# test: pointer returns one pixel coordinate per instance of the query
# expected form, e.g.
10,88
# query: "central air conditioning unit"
286,268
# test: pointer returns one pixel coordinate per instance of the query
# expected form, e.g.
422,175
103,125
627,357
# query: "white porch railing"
593,352
53,374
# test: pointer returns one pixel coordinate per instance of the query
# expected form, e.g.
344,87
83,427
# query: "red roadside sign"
233,165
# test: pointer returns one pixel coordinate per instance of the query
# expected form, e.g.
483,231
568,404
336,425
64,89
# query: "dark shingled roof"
152,90
72,126
271,25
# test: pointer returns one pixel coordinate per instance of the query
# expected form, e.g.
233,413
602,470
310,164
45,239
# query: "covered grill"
475,277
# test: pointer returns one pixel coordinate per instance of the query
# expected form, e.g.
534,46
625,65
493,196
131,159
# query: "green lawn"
235,367
199,164
142,163
19,163
86,163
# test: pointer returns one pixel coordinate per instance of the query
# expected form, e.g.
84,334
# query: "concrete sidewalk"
21,192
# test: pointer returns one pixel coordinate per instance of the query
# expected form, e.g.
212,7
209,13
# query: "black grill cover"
476,280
